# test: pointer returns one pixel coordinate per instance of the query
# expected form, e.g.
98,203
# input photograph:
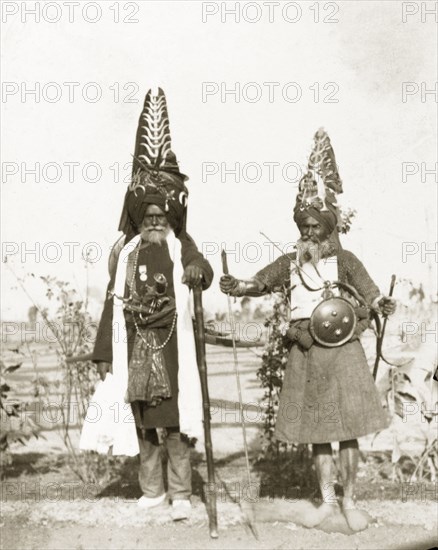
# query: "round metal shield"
332,322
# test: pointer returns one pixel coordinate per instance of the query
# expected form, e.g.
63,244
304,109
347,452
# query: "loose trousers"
179,473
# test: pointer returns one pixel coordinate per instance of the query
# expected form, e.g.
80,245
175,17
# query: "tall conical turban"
156,178
317,188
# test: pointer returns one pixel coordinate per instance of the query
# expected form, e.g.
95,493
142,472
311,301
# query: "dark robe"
157,260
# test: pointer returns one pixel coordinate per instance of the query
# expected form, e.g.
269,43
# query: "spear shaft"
236,367
249,514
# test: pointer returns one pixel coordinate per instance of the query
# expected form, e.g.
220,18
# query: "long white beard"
155,235
309,251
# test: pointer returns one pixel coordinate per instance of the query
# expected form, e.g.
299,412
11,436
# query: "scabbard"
210,494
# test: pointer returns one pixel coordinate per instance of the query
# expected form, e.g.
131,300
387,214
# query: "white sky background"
369,53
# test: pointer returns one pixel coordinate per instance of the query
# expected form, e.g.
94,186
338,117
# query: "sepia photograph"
219,306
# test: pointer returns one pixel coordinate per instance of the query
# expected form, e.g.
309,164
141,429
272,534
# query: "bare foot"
357,519
314,517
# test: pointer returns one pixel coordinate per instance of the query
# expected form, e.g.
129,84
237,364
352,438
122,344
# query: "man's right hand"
103,367
228,283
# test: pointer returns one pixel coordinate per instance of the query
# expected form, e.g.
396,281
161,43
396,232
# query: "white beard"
309,251
155,235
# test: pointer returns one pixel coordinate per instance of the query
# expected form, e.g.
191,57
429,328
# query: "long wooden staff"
382,333
210,494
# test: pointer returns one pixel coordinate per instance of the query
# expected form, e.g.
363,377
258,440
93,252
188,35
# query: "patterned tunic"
328,394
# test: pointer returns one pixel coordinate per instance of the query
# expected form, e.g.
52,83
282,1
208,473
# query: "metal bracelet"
239,290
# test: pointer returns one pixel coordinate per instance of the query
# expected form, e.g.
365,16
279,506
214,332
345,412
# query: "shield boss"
332,322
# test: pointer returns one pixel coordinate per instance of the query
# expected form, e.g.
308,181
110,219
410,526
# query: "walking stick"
382,333
239,389
210,496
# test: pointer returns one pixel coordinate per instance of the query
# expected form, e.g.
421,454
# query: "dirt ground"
43,505
111,525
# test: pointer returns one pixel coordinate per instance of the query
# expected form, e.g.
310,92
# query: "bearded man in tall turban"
145,337
328,393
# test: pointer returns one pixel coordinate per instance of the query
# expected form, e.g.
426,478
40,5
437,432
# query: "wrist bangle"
239,289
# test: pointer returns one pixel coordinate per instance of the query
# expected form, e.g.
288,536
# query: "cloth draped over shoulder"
190,255
114,350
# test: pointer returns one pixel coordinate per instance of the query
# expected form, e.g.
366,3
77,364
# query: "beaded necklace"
172,328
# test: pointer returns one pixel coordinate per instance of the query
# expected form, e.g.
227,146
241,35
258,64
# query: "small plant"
347,215
271,373
16,426
66,394
73,329
408,389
